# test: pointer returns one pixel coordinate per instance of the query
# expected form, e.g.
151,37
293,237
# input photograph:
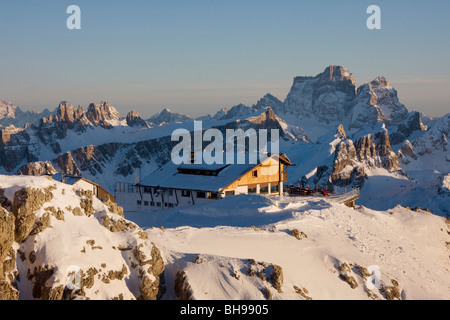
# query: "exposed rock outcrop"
67,164
39,168
8,290
14,147
101,114
6,237
376,102
134,120
352,158
26,202
434,141
328,97
402,131
42,272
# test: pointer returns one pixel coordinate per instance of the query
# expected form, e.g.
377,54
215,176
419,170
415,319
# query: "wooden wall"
267,172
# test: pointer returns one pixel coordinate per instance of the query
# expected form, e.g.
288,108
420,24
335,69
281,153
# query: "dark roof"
68,179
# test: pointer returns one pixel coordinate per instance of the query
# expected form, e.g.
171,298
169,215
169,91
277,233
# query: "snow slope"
217,244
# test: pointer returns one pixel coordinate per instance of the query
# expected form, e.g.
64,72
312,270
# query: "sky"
198,56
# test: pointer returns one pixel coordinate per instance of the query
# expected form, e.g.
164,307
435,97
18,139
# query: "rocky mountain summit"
11,114
102,114
376,102
327,97
134,119
166,116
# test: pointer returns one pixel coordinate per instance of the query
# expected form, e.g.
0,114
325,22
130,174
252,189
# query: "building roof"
169,176
68,179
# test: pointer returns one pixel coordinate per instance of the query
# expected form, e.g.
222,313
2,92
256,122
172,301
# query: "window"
264,190
255,173
152,203
212,195
145,203
170,192
251,190
147,190
170,205
274,189
230,193
201,195
158,204
139,203
185,193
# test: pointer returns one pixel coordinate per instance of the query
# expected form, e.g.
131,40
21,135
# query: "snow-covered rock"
134,119
349,158
270,101
327,97
375,102
11,114
70,245
167,116
238,111
430,150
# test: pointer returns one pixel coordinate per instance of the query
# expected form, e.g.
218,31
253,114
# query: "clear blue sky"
196,56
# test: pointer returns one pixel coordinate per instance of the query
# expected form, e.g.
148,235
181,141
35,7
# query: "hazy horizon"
200,56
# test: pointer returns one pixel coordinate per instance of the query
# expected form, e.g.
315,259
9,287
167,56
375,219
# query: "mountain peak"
166,111
337,73
381,82
327,97
98,113
167,116
134,119
7,109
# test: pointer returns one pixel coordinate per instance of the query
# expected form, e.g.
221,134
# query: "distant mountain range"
339,134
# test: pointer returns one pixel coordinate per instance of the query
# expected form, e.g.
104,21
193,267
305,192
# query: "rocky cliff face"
434,141
327,97
14,148
7,256
67,117
102,114
71,246
39,168
353,158
134,120
376,102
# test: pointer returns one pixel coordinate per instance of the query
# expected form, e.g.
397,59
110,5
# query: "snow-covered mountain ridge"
380,133
244,247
